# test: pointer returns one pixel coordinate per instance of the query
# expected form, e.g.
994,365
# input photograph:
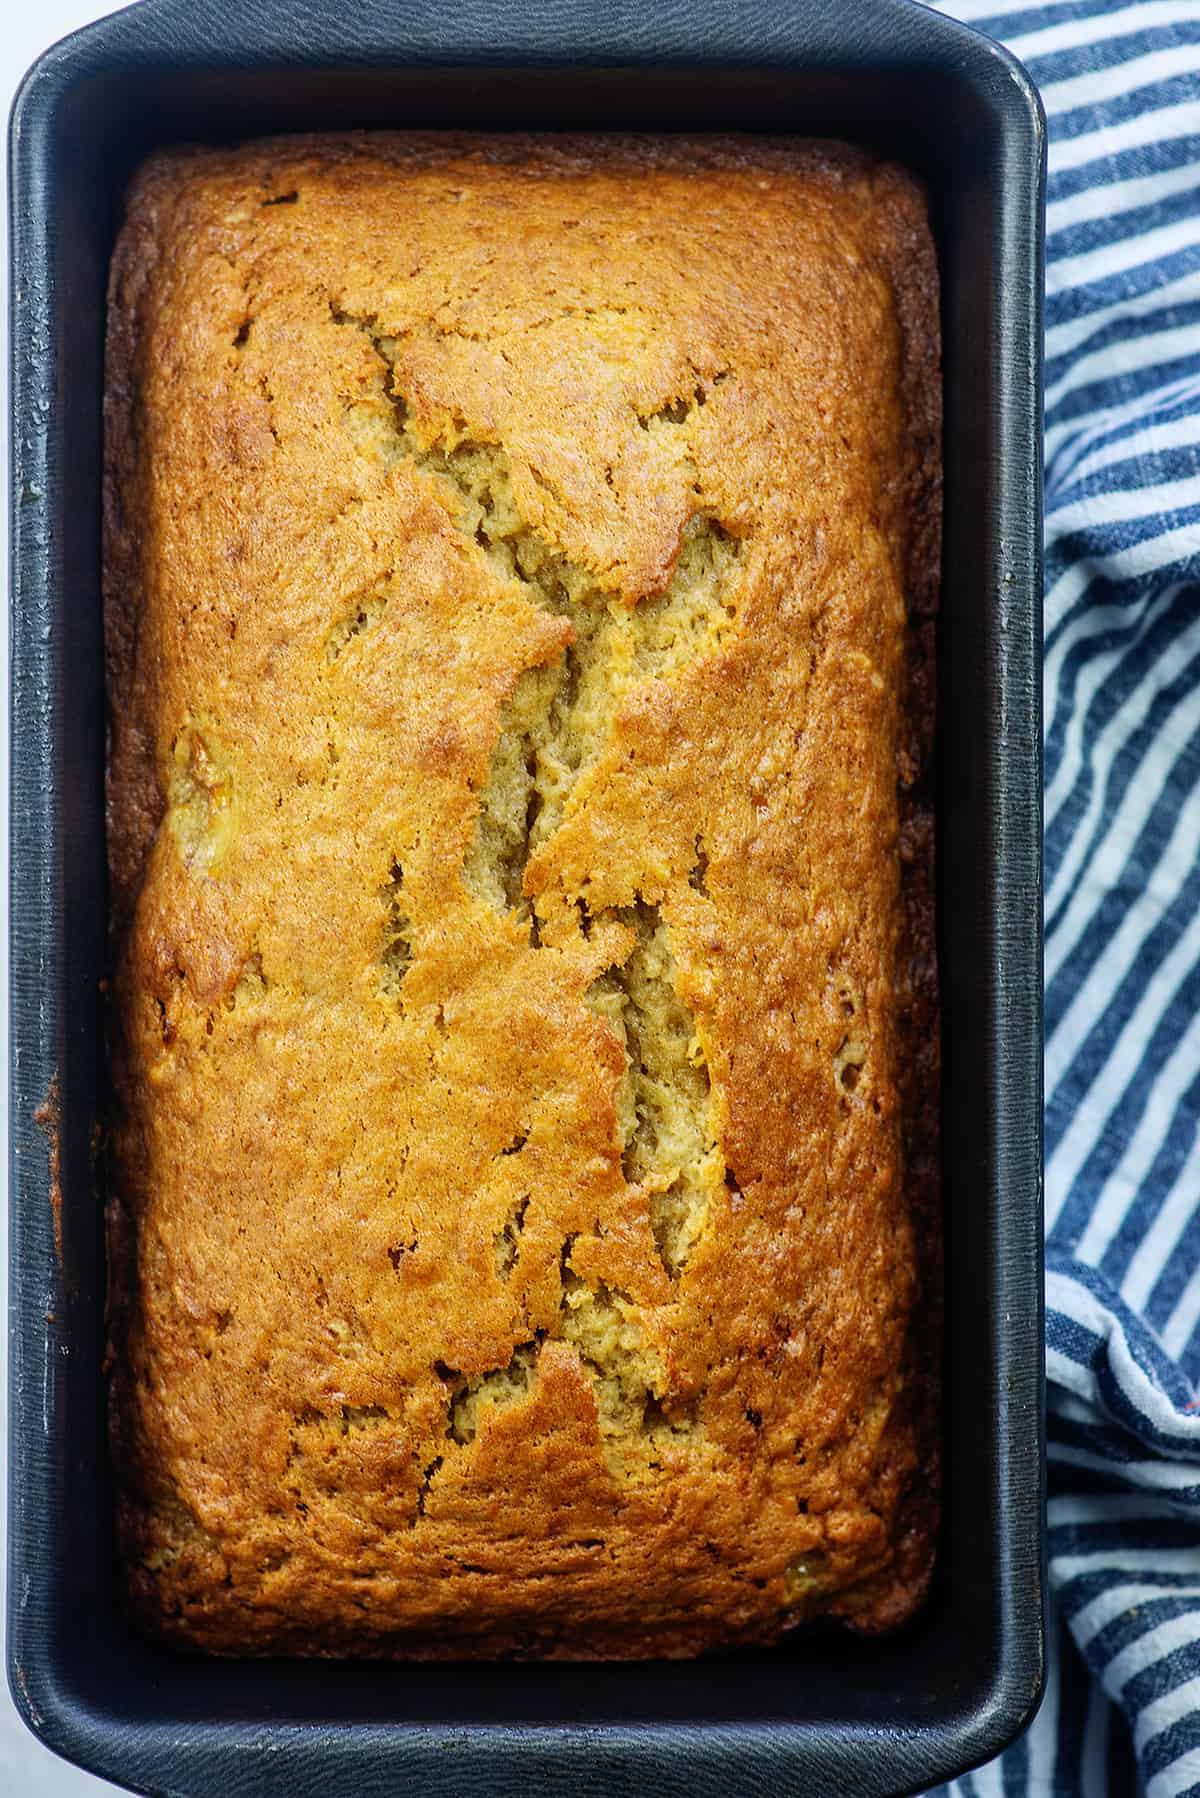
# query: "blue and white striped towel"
1121,84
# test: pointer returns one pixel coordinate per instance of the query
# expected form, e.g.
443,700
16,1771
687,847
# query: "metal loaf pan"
825,1713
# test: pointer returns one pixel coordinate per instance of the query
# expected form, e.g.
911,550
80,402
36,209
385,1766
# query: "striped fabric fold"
1120,80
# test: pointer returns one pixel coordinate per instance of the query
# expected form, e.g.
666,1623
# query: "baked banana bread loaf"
519,573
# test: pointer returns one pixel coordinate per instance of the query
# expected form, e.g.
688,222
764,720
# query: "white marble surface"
27,27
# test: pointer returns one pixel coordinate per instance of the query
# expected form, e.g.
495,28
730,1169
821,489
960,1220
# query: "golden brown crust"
604,467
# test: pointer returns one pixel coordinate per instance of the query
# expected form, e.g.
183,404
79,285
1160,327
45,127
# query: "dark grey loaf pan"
823,1714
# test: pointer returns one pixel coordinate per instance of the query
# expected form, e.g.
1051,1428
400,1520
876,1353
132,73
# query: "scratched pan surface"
825,1713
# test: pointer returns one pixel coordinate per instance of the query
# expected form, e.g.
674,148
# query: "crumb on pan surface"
520,563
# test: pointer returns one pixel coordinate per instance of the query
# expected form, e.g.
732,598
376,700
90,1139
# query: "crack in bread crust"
560,713
668,1140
